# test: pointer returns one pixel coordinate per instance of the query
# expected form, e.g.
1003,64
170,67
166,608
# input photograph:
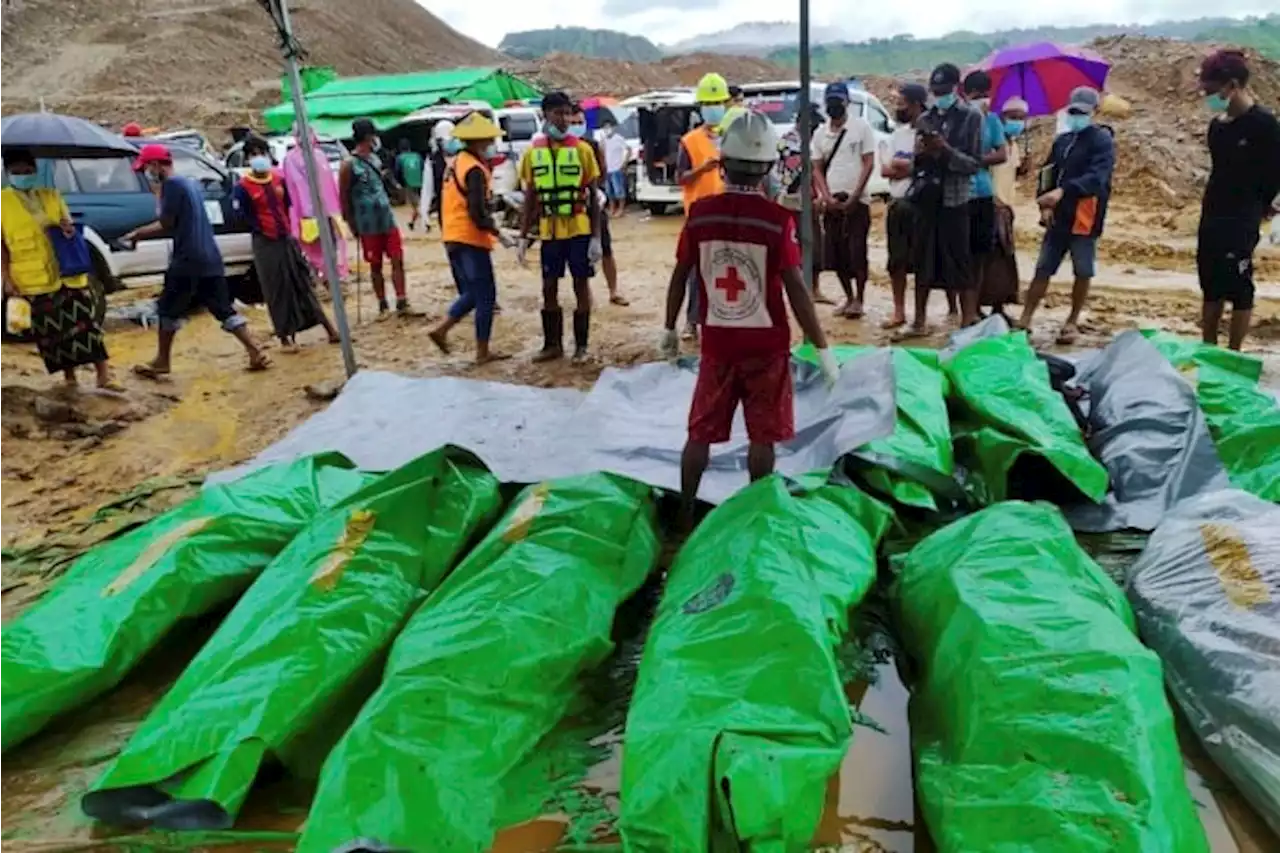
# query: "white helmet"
442,130
750,138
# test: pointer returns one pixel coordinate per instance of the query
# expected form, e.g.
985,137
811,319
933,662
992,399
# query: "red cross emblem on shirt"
731,284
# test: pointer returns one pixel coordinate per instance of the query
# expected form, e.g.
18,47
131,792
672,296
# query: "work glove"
669,345
506,240
522,251
830,369
595,251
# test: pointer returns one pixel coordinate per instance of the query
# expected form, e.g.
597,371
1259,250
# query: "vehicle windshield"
782,109
627,120
519,126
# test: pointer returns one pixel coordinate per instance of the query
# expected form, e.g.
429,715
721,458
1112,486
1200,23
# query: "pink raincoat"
295,177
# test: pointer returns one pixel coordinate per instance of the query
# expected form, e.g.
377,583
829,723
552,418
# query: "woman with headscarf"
262,201
62,306
302,218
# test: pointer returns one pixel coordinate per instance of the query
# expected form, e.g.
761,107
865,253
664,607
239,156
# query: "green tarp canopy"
388,98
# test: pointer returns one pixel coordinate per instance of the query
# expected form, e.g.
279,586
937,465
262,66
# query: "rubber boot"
552,336
581,331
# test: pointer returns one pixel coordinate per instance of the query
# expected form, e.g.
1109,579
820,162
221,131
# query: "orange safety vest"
701,148
458,224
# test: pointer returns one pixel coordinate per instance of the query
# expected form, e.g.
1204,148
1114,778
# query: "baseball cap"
945,76
914,93
1084,100
836,91
152,152
362,128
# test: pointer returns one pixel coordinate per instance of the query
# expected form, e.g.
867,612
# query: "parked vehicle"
281,145
519,126
111,199
662,117
187,138
626,122
780,100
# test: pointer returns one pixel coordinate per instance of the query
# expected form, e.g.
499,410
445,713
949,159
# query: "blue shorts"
1084,254
570,252
183,293
615,185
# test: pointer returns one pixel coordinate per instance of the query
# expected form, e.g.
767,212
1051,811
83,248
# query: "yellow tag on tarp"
1229,555
328,573
522,516
17,317
153,552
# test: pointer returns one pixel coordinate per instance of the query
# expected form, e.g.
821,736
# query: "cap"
913,93
1083,100
475,125
362,128
152,152
838,91
945,74
1015,105
131,129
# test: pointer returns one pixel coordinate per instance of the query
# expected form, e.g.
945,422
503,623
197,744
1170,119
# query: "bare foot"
442,343
855,310
911,332
820,298
150,371
493,356
258,363
618,299
1068,335
894,322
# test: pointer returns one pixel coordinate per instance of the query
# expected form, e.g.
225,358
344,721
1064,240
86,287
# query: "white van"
663,117
780,101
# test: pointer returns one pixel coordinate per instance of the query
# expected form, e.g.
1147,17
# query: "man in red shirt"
745,251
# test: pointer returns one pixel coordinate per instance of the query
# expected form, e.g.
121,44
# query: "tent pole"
327,243
806,159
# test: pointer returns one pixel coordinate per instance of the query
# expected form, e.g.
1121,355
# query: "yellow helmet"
476,126
712,89
730,116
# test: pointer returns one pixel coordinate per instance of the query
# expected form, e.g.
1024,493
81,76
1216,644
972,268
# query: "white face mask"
607,131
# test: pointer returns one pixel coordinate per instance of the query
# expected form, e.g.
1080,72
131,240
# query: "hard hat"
476,126
712,89
442,129
750,138
730,115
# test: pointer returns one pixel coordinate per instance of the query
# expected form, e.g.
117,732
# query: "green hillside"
610,44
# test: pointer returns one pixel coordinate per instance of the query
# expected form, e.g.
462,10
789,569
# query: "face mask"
837,109
1014,126
712,113
24,182
901,116
945,102
981,103
555,132
260,164
607,131
1217,103
377,143
154,178
1076,122
490,151
452,146
578,130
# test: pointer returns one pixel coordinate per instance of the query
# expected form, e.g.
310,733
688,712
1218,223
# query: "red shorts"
761,384
377,246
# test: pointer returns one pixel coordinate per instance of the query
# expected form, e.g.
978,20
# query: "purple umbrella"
1042,74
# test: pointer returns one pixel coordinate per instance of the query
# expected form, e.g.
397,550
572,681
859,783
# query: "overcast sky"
666,21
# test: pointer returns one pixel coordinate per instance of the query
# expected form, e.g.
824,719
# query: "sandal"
891,324
617,299
259,364
820,298
441,342
147,371
911,333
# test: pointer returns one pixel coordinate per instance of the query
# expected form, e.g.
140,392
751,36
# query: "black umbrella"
52,135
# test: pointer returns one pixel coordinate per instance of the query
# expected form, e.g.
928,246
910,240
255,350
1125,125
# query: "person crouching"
469,233
743,252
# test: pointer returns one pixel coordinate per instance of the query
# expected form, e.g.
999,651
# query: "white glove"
522,250
830,369
506,240
669,345
595,251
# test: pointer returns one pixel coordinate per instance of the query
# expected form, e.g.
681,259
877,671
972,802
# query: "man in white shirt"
844,155
617,154
900,221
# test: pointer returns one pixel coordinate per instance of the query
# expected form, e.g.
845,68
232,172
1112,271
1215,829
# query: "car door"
233,238
112,199
879,121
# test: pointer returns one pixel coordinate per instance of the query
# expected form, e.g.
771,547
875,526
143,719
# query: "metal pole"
327,244
806,158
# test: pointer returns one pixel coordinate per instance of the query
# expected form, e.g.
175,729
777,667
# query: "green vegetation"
609,44
904,53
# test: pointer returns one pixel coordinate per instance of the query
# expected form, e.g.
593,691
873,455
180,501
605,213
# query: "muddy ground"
64,455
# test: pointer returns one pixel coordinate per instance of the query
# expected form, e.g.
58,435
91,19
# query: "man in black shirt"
1244,146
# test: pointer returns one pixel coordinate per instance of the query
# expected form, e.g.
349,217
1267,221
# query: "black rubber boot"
581,332
552,336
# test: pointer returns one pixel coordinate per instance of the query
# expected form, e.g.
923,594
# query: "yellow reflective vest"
32,264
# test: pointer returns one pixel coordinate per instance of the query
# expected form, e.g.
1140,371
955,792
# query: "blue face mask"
712,113
1217,103
945,102
490,151
578,130
555,132
25,182
452,146
1077,122
260,164
1014,126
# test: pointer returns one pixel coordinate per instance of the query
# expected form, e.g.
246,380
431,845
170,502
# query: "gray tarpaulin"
632,422
1149,432
1206,594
